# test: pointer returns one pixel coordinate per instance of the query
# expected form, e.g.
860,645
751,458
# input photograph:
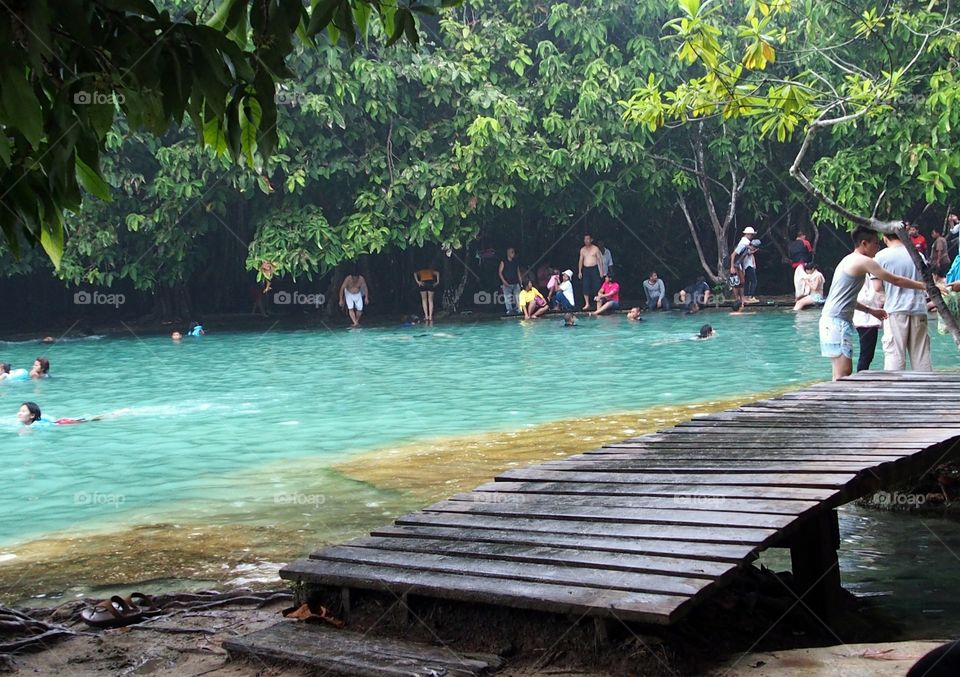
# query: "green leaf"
92,181
20,104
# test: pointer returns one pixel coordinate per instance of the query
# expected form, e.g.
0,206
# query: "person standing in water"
428,280
590,269
836,319
353,295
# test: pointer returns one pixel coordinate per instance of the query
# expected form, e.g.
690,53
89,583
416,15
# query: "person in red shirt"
919,241
609,297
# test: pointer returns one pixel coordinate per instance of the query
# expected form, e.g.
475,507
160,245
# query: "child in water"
196,329
41,368
29,415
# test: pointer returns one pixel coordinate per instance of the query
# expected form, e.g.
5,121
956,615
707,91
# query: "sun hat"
568,273
749,231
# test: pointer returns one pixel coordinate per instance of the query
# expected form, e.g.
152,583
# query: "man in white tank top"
836,320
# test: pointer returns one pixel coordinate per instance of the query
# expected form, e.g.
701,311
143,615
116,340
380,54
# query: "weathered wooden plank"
722,456
321,648
557,574
672,502
665,532
733,466
636,606
658,490
698,551
575,556
560,510
834,480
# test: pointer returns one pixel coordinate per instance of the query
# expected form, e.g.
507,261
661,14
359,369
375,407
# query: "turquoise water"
190,415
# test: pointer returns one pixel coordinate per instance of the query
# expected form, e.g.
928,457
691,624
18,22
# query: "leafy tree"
72,66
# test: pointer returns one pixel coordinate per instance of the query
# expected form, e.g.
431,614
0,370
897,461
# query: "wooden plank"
720,456
698,551
664,490
705,465
831,480
321,648
642,607
741,535
605,579
567,556
595,514
672,502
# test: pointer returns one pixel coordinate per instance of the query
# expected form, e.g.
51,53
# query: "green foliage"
71,66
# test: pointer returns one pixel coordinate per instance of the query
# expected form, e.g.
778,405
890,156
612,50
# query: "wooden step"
341,652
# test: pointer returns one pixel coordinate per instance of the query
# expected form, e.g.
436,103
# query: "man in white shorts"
353,295
905,330
836,320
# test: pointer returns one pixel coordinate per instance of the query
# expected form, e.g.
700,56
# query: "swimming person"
532,302
29,415
569,320
427,280
836,319
609,297
353,295
4,370
40,368
196,329
706,331
634,314
176,336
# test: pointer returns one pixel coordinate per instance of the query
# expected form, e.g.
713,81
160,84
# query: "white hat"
568,273
749,231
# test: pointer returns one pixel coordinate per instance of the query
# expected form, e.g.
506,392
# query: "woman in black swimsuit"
428,280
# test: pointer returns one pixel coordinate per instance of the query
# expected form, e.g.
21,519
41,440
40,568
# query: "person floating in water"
30,415
634,314
569,320
176,336
706,331
196,329
40,368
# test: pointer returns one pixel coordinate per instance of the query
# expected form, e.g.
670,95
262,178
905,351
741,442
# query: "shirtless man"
836,320
590,269
353,295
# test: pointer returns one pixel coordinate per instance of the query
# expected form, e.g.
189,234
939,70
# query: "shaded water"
230,453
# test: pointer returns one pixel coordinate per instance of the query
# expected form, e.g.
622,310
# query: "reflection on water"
908,565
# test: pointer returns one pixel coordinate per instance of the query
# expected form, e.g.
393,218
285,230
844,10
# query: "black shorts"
591,280
428,286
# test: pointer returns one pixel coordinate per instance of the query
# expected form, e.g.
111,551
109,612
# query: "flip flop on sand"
147,604
307,615
115,612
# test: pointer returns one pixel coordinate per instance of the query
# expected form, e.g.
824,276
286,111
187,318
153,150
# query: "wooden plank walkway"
644,529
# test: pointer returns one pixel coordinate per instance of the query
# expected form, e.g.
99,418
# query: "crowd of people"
876,290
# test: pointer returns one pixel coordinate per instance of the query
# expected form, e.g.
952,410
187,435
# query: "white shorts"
353,301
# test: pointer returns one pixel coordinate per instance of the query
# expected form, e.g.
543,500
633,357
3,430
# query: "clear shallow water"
250,431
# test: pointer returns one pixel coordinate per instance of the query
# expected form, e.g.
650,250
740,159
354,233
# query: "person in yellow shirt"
532,302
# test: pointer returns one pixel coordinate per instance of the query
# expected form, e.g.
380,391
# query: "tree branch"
696,239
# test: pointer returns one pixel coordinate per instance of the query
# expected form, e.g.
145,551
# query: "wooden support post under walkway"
643,530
